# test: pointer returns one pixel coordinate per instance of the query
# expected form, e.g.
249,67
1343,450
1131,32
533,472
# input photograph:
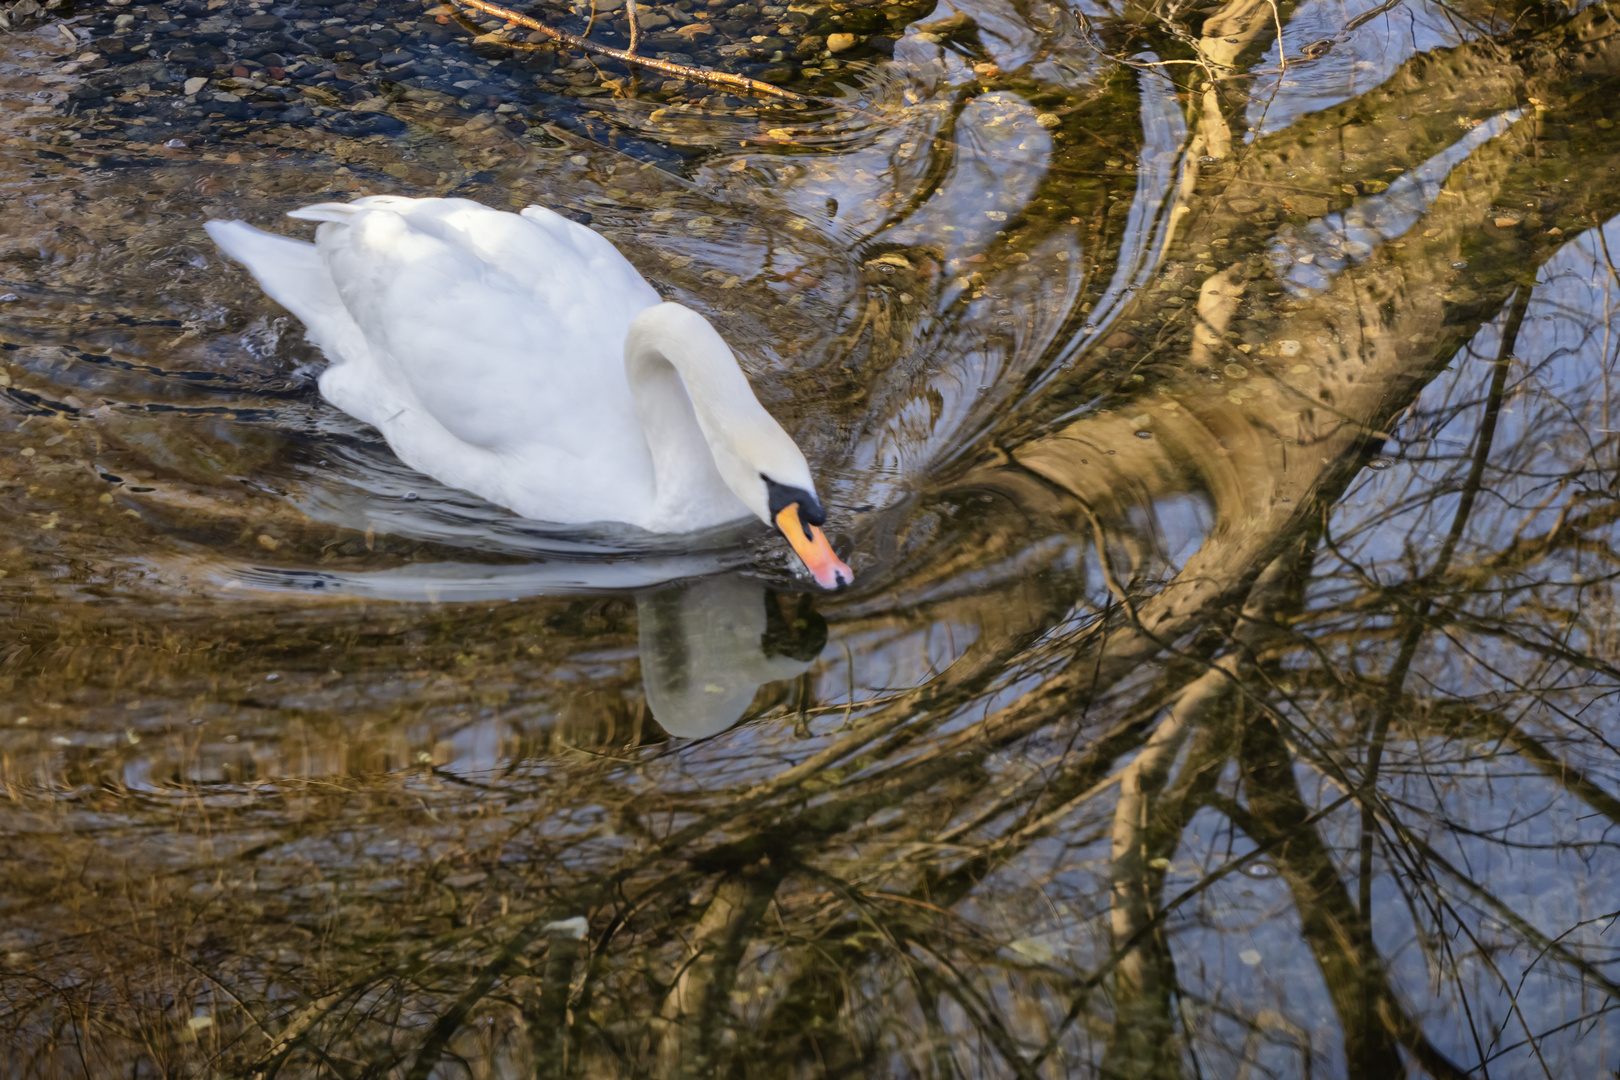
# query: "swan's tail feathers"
288,270
342,213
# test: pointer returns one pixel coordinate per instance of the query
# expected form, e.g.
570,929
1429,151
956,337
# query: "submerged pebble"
202,67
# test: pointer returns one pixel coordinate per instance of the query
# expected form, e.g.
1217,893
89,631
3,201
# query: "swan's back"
486,346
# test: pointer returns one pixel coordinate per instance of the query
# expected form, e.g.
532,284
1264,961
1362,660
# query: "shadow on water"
1227,449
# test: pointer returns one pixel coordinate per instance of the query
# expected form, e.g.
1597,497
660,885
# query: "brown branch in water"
300,1025
703,75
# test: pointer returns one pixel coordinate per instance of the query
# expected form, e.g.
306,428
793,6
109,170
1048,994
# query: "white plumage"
522,358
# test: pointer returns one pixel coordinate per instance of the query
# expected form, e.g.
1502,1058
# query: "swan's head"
798,514
767,471
673,353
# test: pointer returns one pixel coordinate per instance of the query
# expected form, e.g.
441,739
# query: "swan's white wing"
496,351
504,331
487,347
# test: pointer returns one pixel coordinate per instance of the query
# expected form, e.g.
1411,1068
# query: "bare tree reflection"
1238,699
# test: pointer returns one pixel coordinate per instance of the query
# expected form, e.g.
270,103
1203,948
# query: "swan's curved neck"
693,401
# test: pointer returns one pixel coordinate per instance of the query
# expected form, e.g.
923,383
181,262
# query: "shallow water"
1226,450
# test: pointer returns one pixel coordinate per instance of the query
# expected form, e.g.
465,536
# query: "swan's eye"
782,496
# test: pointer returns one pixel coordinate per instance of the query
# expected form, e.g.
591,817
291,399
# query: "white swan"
522,358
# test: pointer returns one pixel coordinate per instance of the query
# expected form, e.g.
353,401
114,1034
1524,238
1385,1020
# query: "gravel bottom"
211,66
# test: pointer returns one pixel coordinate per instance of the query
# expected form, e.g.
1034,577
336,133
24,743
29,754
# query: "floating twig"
681,71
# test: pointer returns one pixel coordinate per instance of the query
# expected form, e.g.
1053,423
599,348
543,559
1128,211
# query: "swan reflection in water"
708,646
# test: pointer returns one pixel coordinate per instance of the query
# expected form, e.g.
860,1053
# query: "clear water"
1229,467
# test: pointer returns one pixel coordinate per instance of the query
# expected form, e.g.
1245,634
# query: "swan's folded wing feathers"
576,282
610,273
487,348
563,265
501,380
327,211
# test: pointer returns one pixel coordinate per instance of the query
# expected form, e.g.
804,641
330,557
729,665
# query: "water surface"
1223,433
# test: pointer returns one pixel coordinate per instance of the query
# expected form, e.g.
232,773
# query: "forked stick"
703,75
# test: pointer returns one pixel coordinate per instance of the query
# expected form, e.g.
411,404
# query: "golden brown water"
1227,453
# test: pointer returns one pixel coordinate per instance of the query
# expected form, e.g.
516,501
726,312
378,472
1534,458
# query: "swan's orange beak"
810,544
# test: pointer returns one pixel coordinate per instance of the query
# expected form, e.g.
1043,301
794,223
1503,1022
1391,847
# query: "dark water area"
1218,406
